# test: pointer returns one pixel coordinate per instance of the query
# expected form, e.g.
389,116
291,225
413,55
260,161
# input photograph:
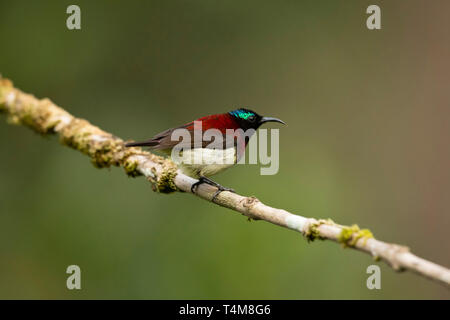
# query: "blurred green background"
366,142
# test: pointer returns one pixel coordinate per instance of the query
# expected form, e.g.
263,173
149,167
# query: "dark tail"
149,143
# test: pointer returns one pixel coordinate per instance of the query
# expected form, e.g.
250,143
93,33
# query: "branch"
106,150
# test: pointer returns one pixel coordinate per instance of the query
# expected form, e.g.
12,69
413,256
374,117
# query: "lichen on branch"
350,235
105,150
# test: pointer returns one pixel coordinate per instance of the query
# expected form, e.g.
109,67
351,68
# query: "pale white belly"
205,162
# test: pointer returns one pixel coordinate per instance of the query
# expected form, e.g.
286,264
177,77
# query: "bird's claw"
195,185
212,183
219,190
199,182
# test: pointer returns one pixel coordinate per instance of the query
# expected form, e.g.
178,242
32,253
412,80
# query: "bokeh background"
367,142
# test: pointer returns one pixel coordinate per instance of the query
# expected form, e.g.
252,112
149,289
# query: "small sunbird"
236,128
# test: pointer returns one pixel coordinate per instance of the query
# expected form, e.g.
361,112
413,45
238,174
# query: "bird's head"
249,119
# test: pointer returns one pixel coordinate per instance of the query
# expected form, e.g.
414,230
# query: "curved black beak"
270,119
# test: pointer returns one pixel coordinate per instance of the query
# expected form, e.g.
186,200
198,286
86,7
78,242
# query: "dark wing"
163,140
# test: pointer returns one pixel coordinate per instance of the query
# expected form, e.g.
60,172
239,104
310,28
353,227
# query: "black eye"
251,118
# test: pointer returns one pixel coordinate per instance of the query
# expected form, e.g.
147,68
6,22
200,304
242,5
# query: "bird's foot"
219,190
211,183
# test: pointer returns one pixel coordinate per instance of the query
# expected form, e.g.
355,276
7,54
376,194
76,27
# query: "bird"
215,156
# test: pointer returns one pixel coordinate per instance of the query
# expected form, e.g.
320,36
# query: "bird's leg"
211,183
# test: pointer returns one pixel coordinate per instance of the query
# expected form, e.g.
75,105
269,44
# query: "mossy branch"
107,150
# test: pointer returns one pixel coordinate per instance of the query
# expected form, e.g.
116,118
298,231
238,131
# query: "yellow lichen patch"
364,234
131,167
350,235
312,233
165,182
